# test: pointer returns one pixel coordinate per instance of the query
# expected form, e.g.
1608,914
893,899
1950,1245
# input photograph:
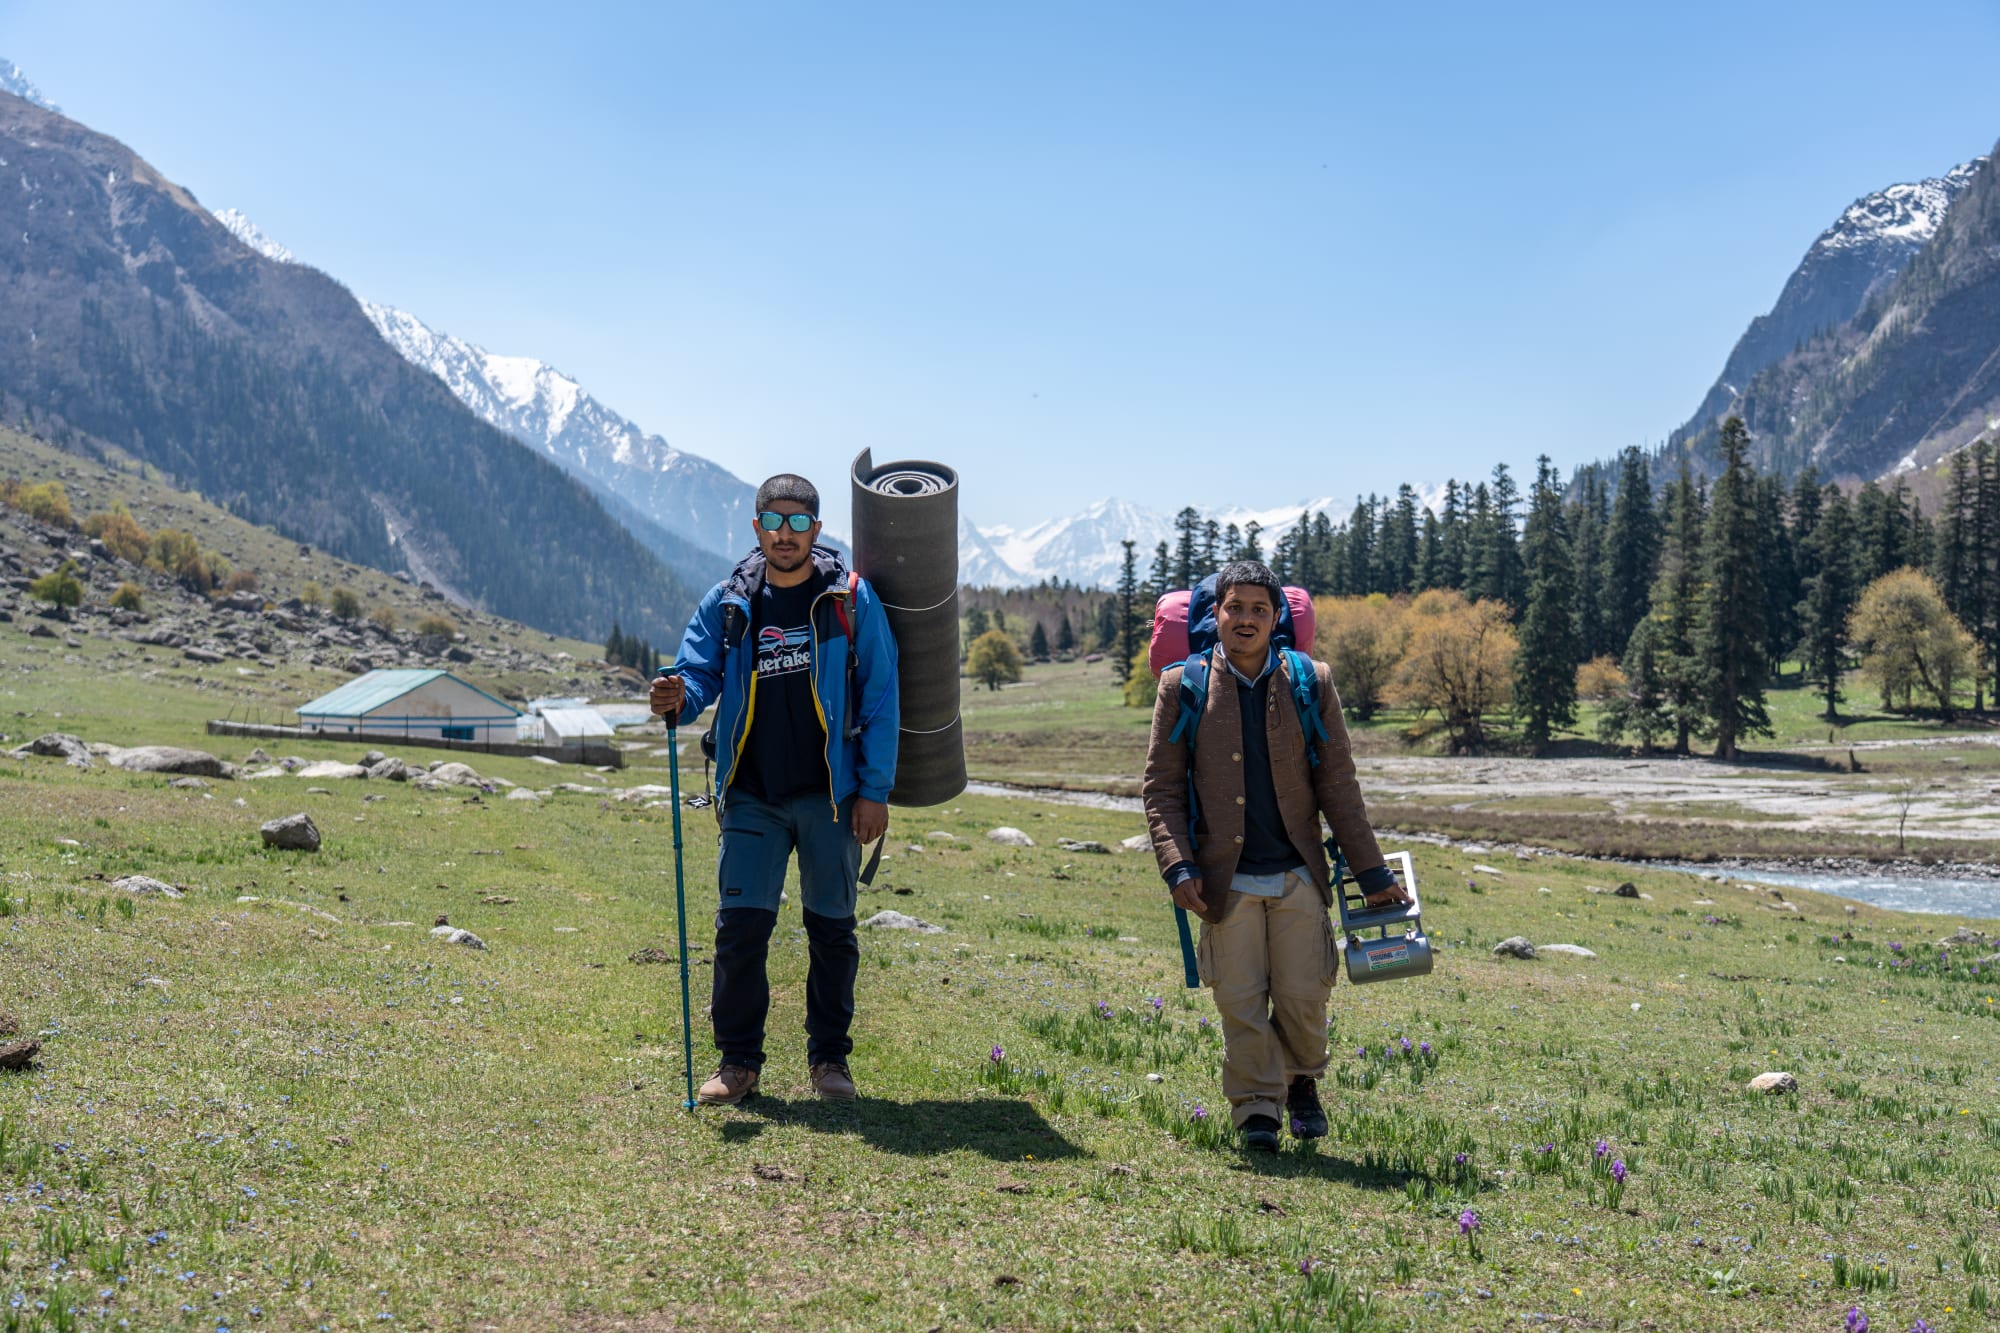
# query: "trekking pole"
680,898
1187,949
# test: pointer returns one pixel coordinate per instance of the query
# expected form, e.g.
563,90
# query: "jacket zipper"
826,732
749,711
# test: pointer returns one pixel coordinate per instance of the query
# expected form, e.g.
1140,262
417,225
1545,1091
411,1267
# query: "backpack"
1172,620
1201,638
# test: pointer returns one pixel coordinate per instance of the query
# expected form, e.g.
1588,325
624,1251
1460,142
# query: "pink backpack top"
1170,626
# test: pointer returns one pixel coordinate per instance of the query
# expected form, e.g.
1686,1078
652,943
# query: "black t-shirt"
785,755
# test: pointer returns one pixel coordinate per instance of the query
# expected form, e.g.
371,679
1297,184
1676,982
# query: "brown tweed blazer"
1304,793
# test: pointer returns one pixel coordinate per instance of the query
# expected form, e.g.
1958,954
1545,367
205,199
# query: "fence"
592,752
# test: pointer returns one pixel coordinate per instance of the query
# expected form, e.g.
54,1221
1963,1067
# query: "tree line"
1685,597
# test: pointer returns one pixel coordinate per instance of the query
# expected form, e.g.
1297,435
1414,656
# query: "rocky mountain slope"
131,317
1865,248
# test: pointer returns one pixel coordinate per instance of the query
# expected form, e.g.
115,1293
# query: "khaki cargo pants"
1271,965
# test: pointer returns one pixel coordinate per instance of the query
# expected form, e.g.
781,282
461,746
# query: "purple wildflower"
1298,1128
1199,1113
1894,948
1618,1170
1405,1044
1157,1003
1468,1222
997,1054
1104,1009
1388,1050
1857,1322
1460,1159
1307,1264
1601,1149
1546,1148
1424,1048
1361,1051
1920,1327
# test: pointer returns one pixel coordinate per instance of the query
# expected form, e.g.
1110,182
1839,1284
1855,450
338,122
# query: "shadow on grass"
998,1128
1305,1163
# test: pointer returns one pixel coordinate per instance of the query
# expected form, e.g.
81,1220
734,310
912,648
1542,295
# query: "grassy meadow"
279,1103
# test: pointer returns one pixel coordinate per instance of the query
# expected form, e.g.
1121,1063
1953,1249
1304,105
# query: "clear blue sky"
1162,251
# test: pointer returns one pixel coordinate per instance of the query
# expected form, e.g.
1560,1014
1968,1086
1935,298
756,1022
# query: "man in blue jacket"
796,653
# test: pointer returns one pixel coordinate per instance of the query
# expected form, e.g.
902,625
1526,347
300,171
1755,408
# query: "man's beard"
786,565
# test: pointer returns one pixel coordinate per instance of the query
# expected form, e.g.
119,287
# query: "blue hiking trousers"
758,840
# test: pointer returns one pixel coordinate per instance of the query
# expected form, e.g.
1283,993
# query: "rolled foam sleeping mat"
906,546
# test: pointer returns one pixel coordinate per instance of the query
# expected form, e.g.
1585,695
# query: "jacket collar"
747,579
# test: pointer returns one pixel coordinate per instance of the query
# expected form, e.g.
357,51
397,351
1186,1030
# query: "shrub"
994,660
1460,663
1141,685
59,588
243,580
435,626
120,533
179,556
1909,640
128,598
1361,639
47,502
344,604
1599,679
312,595
385,616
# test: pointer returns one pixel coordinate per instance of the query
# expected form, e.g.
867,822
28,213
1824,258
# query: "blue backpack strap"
1194,699
1305,694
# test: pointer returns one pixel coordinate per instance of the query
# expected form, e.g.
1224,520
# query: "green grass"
328,1121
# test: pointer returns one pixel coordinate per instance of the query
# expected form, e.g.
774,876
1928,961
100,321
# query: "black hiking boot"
1260,1133
1308,1118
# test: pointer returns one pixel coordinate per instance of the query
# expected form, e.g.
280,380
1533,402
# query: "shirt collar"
1270,660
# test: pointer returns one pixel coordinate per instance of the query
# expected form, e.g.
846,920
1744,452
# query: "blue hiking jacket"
715,668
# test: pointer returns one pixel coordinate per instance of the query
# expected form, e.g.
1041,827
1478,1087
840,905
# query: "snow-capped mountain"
1864,249
248,232
12,80
684,494
539,405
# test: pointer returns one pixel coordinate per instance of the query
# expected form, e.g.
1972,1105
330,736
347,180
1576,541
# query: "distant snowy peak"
523,396
1904,216
12,80
248,232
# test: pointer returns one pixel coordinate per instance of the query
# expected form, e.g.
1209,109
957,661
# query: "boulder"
649,792
1514,946
61,745
1568,950
454,935
1774,1082
171,759
331,768
1082,845
188,784
257,756
293,833
146,884
897,921
1138,842
19,1054
1009,837
206,656
451,775
523,794
392,769
372,758
1627,890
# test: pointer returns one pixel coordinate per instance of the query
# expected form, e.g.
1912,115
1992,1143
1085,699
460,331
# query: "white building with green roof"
428,705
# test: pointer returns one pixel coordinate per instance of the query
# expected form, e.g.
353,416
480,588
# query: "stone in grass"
1515,946
1569,950
171,759
1010,837
293,833
10,1026
19,1054
650,954
897,921
523,794
392,769
188,784
1138,842
455,935
146,884
1627,890
59,745
1083,845
1774,1082
331,768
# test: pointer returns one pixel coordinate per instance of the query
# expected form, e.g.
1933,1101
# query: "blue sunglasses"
771,520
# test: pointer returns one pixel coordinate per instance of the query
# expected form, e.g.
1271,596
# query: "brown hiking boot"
832,1082
730,1085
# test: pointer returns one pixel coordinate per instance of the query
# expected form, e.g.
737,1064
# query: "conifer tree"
1065,636
1587,532
1986,562
1831,591
614,645
1451,566
1162,578
1641,708
1038,642
1545,667
1777,562
1211,551
1359,573
1730,637
1504,572
1187,548
1396,549
1632,547
1430,556
976,623
1128,612
1673,603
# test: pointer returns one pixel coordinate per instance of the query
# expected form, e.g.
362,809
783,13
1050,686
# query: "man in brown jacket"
1249,858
